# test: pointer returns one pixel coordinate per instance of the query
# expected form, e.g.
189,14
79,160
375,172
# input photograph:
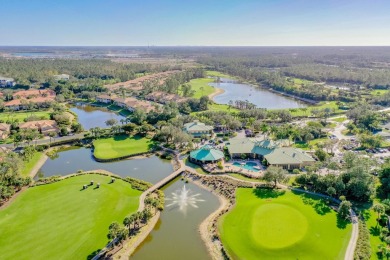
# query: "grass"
212,73
322,105
312,143
29,165
370,218
198,84
60,221
20,116
244,178
196,167
269,224
221,107
378,92
340,119
121,146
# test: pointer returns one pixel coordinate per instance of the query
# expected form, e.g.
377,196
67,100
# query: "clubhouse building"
198,129
275,153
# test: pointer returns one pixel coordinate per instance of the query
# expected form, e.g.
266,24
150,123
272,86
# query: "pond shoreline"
265,88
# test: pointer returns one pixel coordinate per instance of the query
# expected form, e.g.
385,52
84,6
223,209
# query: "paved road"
47,140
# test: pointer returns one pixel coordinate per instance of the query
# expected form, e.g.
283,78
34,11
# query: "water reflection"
69,161
260,97
92,116
177,235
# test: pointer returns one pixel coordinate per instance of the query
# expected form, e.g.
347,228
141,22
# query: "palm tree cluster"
10,179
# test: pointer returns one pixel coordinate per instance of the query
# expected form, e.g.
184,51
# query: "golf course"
63,221
268,224
121,146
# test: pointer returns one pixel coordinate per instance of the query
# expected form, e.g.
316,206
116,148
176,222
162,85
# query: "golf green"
62,221
120,146
266,224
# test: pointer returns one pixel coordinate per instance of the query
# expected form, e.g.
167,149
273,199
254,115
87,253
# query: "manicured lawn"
29,165
308,111
20,116
198,84
212,73
370,218
242,177
119,146
61,221
268,224
313,143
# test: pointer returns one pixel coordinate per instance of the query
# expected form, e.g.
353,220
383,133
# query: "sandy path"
205,227
38,166
218,91
132,244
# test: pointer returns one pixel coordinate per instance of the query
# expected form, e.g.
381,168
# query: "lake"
176,235
260,97
94,116
71,160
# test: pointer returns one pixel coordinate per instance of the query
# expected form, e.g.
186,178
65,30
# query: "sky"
195,22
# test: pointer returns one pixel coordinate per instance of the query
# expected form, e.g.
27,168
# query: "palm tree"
51,135
264,128
378,208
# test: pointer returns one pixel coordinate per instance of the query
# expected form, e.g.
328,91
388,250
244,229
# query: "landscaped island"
61,220
121,146
271,224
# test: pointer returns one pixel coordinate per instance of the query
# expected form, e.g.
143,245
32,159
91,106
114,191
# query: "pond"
176,234
260,97
69,161
94,116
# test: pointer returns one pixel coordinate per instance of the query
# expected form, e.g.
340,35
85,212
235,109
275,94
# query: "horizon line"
149,46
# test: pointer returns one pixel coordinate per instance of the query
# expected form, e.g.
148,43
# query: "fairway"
20,116
121,146
61,221
268,224
201,87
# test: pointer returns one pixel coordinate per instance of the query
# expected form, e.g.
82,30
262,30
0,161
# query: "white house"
6,82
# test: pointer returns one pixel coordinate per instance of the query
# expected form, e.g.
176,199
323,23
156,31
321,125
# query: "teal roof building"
274,152
198,129
206,154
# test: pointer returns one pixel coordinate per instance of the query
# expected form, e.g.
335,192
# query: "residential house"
198,129
104,99
23,99
163,97
7,82
34,93
4,130
132,104
274,152
43,126
61,77
21,104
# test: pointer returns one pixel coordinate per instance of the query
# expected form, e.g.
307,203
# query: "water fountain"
182,198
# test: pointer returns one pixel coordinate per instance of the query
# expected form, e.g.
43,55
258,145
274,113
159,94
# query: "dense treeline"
10,179
31,71
354,68
355,182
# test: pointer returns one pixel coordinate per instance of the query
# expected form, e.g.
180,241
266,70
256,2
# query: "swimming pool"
247,165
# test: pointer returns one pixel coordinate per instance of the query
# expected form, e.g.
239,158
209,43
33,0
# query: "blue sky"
195,22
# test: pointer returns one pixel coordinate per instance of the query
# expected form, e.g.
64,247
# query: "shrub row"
122,157
135,183
363,247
